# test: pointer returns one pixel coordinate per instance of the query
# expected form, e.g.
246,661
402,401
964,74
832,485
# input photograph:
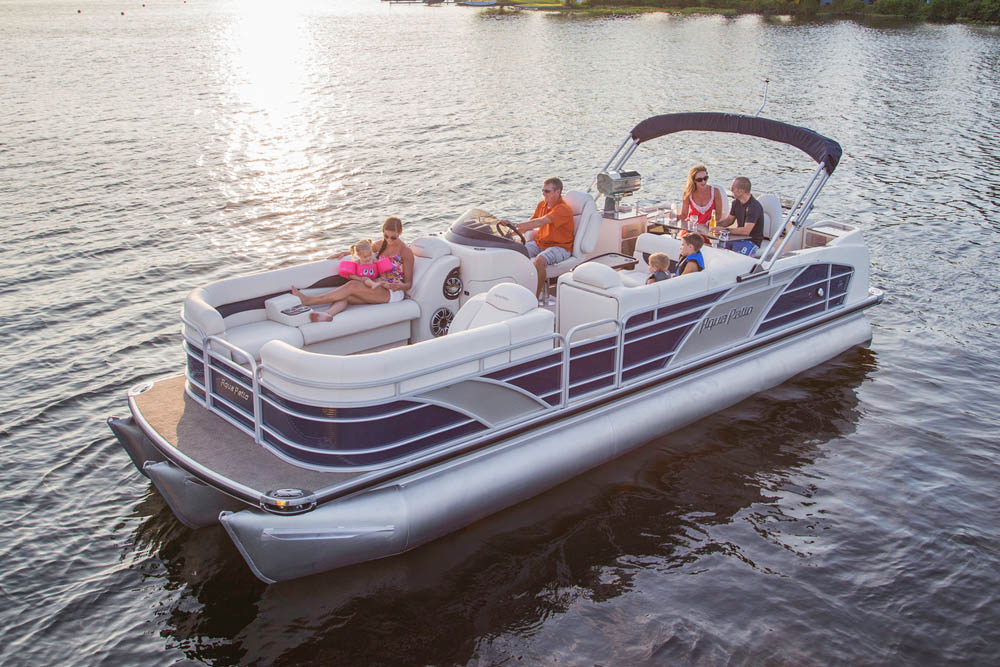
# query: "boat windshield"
483,229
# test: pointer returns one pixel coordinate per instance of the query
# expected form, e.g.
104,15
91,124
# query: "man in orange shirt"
553,219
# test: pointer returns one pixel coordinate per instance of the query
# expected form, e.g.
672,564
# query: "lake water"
848,516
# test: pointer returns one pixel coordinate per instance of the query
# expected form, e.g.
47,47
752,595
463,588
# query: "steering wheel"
512,228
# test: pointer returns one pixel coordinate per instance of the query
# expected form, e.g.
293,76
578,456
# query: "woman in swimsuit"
700,198
389,288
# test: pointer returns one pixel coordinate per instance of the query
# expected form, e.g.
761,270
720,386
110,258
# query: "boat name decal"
236,390
733,315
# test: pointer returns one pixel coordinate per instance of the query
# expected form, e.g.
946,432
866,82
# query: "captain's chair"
586,227
502,302
772,214
725,202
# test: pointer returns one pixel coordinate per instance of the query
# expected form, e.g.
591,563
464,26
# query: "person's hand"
369,282
339,255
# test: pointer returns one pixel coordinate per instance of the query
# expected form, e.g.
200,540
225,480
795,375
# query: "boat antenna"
766,81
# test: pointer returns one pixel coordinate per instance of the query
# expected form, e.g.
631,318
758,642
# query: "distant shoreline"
985,12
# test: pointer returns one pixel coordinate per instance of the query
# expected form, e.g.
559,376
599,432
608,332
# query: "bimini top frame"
826,152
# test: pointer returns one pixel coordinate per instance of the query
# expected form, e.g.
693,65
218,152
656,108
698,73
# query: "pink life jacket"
350,268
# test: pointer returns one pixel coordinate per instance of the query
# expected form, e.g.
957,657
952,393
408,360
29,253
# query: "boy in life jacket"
691,258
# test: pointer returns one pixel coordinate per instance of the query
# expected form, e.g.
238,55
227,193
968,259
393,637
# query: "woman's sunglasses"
703,179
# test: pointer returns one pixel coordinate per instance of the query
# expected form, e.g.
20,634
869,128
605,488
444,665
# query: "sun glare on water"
274,147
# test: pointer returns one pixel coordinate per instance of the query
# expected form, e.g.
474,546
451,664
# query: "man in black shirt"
748,215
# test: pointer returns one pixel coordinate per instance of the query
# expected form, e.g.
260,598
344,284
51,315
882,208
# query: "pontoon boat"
322,444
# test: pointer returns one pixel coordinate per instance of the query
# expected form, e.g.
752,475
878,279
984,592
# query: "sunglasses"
703,179
391,238
547,192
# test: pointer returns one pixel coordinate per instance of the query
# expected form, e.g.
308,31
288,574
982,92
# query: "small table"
706,231
615,260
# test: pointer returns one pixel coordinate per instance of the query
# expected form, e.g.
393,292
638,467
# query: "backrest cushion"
512,298
430,247
725,202
501,303
586,221
598,275
773,215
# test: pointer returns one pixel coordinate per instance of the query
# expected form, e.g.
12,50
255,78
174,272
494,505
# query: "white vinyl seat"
725,202
502,302
772,214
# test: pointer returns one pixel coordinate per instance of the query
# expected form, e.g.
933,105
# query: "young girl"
658,265
363,265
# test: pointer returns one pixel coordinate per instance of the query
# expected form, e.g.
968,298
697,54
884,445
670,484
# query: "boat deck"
216,444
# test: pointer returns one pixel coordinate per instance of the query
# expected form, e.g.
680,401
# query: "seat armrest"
200,314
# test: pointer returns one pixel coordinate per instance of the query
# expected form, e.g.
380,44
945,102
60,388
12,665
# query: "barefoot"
320,317
297,292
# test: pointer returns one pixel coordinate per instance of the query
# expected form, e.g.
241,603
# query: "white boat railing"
648,337
247,375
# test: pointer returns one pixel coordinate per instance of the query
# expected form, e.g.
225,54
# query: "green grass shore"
938,11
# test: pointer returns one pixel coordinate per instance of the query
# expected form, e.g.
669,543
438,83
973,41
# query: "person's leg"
540,265
360,294
551,255
369,295
330,296
329,313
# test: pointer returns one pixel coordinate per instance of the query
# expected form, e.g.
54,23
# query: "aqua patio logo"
726,318
235,390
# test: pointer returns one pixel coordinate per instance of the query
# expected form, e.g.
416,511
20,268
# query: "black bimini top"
825,151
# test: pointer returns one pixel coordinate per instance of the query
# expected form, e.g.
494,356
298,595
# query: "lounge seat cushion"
502,302
251,337
430,248
360,318
386,365
598,275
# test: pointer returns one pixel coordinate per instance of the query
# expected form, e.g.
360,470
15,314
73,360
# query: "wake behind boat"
322,444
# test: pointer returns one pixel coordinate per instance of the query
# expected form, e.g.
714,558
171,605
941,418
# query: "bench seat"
593,291
508,314
246,310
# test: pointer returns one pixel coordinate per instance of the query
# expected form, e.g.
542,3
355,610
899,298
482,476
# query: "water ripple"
846,516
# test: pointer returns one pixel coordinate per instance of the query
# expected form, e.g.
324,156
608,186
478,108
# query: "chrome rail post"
564,374
566,353
254,383
796,218
620,353
206,366
186,347
610,160
258,407
628,154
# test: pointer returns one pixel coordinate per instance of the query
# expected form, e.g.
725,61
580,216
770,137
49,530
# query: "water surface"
847,516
